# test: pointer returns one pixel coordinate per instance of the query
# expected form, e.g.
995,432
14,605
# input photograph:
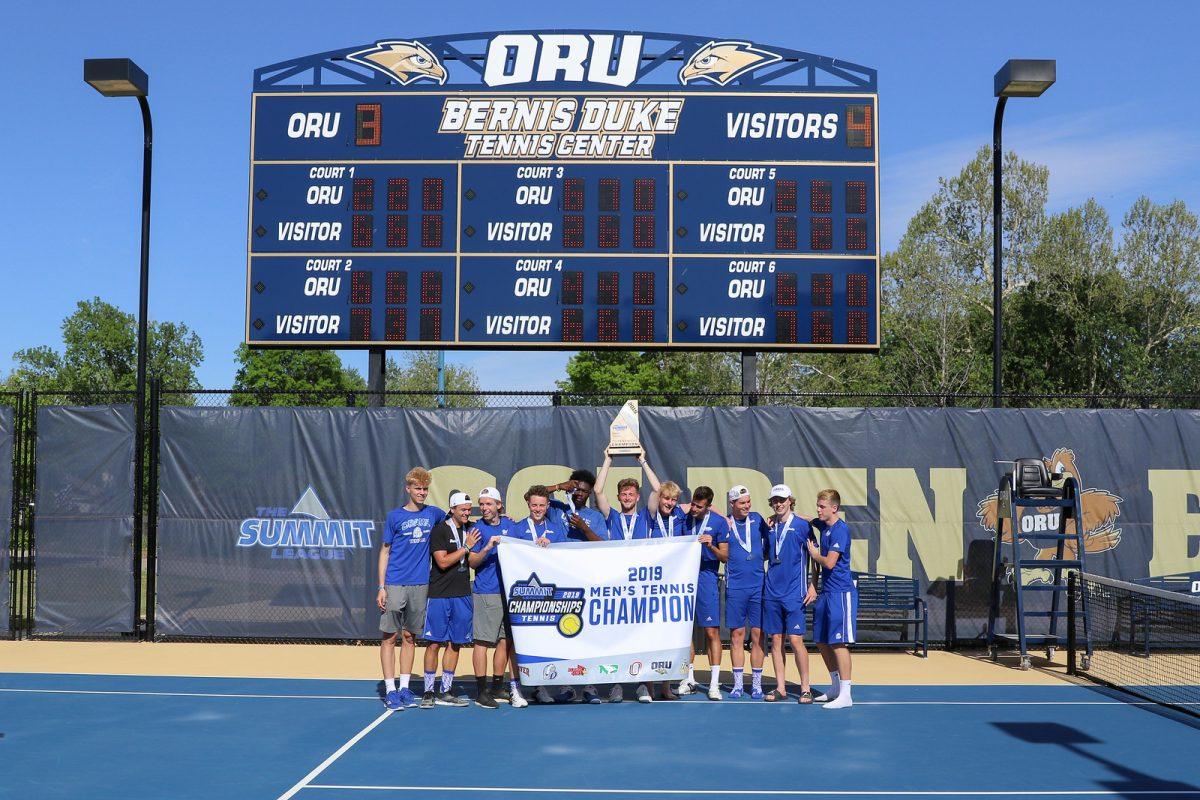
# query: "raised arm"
602,501
652,479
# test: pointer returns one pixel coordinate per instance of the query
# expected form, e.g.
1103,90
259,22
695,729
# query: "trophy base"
624,450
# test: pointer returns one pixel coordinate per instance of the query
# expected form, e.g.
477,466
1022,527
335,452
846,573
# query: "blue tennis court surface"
157,737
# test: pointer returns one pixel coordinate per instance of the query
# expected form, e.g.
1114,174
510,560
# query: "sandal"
805,698
775,696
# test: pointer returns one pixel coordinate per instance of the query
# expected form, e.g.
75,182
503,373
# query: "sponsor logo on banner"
524,671
635,668
306,531
1100,511
532,602
661,666
682,669
578,671
608,669
550,672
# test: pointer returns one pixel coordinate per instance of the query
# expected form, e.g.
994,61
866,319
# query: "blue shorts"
449,619
743,608
783,616
708,601
833,618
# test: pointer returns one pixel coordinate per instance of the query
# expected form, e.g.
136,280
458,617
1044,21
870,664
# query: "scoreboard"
565,189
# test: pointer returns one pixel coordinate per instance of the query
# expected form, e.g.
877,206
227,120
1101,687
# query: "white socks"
756,679
843,697
691,674
714,678
739,678
390,683
404,681
447,681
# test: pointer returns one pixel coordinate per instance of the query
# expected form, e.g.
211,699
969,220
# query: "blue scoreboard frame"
564,190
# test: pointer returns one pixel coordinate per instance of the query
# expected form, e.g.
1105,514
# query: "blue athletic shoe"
756,693
735,693
590,697
393,701
408,699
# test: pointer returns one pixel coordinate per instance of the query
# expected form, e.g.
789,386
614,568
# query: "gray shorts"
489,618
405,608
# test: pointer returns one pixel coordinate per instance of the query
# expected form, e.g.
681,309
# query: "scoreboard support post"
749,378
376,375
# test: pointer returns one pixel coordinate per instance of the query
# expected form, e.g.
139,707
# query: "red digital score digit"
368,124
610,194
431,287
822,327
572,289
608,288
607,324
362,231
860,127
856,233
572,324
785,197
643,231
610,230
360,324
821,233
363,194
431,324
643,324
431,230
856,197
785,327
397,194
785,289
856,290
643,194
821,289
821,197
785,233
397,230
643,288
396,290
857,327
395,325
572,194
432,190
360,287
572,231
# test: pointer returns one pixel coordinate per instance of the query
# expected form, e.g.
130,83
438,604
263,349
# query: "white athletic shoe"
821,697
714,693
686,686
643,694
518,701
543,697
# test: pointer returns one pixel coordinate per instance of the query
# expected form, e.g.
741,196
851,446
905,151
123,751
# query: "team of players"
425,590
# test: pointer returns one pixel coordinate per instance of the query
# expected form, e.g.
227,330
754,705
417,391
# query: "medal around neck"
623,433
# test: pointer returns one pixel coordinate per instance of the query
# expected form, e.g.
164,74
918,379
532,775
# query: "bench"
888,602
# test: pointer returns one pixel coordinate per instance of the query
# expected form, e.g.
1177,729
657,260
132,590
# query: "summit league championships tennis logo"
306,531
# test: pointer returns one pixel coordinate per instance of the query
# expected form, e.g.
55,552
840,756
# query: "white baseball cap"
780,490
738,491
459,498
491,493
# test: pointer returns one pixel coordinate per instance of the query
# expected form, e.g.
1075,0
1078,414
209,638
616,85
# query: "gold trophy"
623,432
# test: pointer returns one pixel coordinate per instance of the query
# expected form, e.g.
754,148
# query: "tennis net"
1145,640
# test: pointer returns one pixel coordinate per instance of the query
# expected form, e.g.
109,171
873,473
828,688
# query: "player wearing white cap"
748,542
448,615
787,590
488,600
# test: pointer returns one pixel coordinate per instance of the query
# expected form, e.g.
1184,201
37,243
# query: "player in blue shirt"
579,491
837,605
488,624
624,522
787,590
713,531
748,540
541,530
663,518
404,584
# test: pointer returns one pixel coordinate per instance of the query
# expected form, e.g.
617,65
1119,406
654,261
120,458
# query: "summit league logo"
306,531
514,58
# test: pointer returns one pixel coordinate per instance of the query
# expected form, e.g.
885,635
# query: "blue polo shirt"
744,570
407,532
787,561
617,522
835,539
657,524
561,512
487,574
718,528
554,531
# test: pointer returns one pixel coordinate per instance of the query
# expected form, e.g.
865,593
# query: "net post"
1072,583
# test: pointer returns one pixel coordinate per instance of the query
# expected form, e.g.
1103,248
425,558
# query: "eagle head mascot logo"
721,62
403,62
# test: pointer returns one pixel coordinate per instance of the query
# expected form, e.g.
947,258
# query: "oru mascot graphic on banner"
1100,511
601,612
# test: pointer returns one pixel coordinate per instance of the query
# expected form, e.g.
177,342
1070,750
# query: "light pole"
120,77
1017,78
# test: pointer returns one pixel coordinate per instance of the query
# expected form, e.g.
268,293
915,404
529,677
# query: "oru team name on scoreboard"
565,189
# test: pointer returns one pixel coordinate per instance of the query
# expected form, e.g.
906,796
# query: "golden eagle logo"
1100,511
403,62
721,62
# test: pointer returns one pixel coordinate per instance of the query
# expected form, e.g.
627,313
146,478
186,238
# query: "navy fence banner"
7,424
270,518
84,520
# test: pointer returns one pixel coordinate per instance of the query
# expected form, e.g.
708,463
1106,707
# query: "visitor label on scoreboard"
534,196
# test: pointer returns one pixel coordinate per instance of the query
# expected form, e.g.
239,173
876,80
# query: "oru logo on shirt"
305,532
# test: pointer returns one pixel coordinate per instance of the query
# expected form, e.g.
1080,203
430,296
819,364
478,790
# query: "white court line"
771,792
697,703
334,756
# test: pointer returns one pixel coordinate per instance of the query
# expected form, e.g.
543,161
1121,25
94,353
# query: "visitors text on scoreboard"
564,190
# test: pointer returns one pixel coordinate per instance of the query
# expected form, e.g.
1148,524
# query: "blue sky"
1120,122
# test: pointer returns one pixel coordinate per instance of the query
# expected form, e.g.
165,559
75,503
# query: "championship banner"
601,612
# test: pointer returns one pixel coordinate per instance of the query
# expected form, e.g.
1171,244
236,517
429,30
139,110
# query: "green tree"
99,353
652,376
289,377
416,371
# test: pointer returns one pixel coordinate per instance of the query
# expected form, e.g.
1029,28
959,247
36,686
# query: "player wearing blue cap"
787,590
748,541
837,605
404,584
449,612
488,600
